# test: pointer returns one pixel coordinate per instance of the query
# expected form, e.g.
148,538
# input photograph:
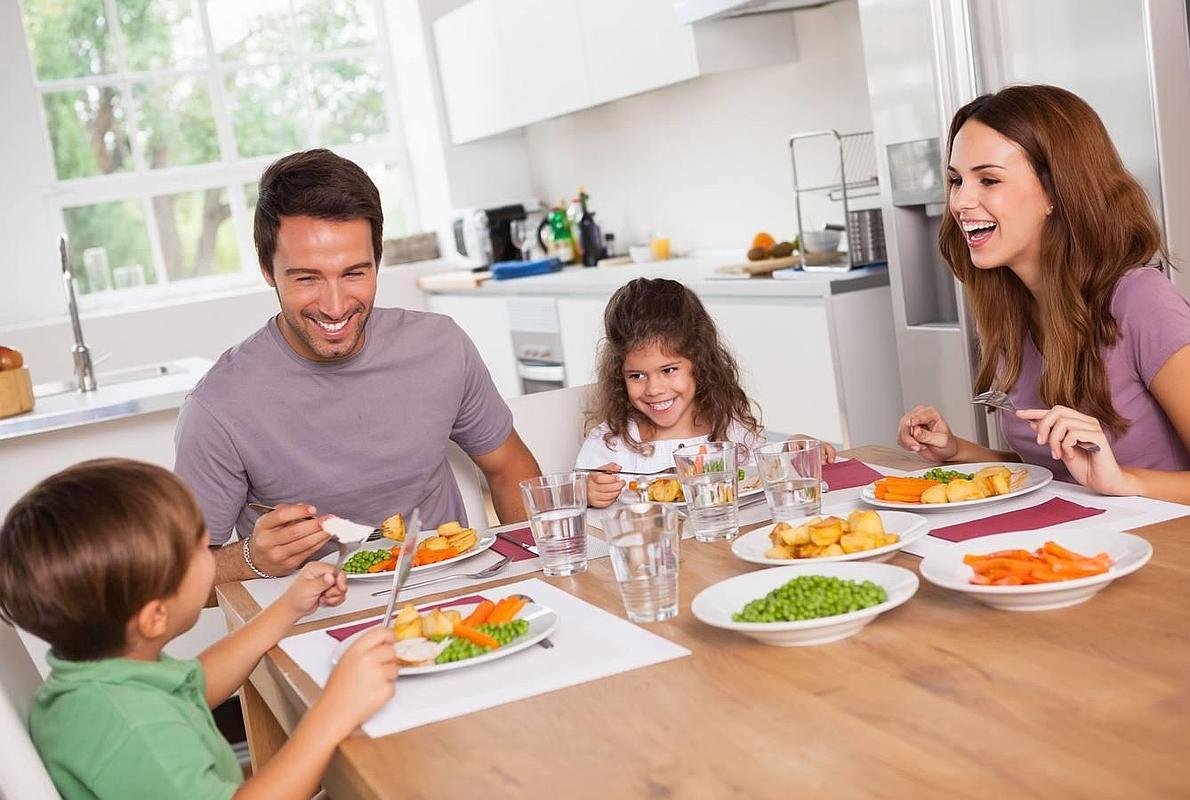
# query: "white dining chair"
551,426
22,775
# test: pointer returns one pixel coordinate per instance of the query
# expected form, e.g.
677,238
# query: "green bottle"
561,244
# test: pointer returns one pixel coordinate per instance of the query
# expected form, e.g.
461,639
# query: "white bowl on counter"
821,241
715,604
640,253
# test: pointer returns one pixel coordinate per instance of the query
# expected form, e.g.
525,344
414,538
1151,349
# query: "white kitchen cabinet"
581,323
632,46
485,320
471,66
508,63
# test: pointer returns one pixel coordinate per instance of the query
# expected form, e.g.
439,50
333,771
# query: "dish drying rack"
855,178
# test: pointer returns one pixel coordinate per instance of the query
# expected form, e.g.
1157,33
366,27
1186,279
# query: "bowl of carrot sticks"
1037,570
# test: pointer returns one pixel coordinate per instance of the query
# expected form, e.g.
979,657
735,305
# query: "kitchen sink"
112,378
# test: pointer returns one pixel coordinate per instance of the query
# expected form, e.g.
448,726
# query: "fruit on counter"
763,240
758,254
781,250
10,359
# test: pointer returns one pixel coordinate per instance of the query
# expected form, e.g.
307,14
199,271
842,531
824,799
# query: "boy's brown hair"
84,550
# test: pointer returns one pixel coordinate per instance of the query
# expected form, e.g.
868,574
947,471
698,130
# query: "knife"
404,564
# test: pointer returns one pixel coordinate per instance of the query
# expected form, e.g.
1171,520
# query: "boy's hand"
363,680
602,490
316,584
285,537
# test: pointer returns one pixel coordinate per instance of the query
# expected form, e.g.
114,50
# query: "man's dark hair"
319,184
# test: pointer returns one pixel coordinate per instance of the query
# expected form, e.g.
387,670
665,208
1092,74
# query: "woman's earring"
1049,210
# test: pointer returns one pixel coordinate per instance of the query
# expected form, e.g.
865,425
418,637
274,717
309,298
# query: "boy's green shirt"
121,728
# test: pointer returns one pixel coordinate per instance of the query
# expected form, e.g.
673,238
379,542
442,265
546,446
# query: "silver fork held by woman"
998,399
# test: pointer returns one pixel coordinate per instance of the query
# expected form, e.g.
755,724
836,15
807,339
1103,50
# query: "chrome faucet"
84,371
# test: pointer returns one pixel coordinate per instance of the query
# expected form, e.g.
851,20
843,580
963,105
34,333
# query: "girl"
665,379
1051,238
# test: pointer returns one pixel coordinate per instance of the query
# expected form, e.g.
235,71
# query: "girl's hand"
362,681
316,584
925,432
828,450
602,490
1062,428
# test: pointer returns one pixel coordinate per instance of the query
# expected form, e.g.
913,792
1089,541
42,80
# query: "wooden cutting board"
454,279
16,392
755,268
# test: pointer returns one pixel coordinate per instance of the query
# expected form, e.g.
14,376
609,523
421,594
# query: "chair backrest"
551,426
22,775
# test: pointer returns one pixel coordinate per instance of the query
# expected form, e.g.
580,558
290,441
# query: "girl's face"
998,201
661,386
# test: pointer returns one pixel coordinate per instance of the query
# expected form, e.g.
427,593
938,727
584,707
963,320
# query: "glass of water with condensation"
557,508
791,472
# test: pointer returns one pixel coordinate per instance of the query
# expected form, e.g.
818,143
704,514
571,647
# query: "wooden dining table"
941,697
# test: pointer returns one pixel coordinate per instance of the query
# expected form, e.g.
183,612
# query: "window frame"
232,171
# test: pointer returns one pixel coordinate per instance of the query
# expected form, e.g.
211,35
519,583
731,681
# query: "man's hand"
285,538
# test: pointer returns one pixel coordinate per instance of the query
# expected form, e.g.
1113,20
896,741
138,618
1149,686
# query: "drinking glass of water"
643,542
792,475
710,486
557,508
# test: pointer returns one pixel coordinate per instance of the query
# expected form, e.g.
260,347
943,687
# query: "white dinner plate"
1128,552
486,540
715,604
542,620
748,488
752,546
1034,480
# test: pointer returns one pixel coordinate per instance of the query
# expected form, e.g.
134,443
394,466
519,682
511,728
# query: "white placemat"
359,593
589,644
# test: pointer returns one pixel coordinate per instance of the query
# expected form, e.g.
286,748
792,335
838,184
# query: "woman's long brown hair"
1102,225
665,313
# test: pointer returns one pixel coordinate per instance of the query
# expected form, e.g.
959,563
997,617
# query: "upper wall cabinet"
508,63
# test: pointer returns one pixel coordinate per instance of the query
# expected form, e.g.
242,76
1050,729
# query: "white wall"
707,161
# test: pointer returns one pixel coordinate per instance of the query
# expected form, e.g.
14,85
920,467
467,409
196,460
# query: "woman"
1051,237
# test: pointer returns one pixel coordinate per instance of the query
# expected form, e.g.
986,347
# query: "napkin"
848,474
345,631
1051,512
507,548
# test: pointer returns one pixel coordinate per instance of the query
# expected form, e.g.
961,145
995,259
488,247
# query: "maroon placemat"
345,631
848,474
507,548
1051,512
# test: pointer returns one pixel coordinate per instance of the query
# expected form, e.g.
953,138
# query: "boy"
108,561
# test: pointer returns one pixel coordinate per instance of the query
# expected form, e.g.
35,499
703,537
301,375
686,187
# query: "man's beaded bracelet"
251,566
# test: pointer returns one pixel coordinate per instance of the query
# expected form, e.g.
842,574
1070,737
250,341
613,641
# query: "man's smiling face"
325,276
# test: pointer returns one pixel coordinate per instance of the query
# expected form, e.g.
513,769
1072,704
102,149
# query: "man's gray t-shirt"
363,438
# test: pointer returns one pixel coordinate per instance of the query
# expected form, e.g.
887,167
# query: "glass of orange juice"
660,246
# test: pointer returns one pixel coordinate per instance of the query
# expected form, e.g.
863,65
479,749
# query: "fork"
669,471
486,572
998,399
340,546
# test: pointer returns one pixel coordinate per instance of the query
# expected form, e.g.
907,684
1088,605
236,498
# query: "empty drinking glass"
709,483
522,237
792,475
643,542
557,508
128,276
98,271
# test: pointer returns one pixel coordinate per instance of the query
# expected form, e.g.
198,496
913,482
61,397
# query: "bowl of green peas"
805,604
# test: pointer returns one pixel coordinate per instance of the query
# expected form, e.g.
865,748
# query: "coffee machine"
482,236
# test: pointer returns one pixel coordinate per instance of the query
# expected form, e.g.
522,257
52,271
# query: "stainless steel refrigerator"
1130,59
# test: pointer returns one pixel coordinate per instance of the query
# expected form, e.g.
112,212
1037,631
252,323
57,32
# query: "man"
334,407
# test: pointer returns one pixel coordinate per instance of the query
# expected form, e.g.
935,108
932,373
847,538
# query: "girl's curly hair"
667,314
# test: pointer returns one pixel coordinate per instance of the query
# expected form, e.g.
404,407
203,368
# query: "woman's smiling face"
661,386
997,199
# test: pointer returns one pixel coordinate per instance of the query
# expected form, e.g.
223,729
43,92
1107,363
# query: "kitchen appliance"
482,236
537,343
690,11
924,59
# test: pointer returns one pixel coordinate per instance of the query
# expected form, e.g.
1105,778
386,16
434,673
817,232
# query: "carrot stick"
504,603
472,635
480,615
507,613
383,566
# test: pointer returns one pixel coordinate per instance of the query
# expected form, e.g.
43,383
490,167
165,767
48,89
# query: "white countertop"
697,272
124,394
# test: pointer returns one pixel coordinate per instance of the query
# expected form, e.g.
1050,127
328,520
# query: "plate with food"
448,636
956,486
1037,570
449,544
667,489
804,604
864,535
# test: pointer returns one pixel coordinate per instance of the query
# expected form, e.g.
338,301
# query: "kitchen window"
162,114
